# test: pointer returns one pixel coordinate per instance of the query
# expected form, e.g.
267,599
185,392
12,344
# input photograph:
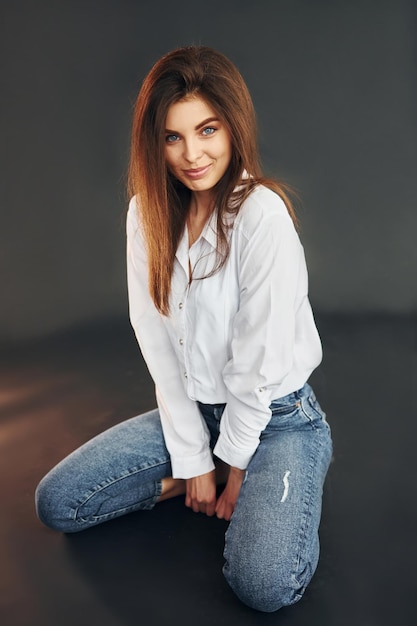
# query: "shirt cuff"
235,457
189,467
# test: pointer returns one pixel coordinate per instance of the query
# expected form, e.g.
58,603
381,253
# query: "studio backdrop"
334,86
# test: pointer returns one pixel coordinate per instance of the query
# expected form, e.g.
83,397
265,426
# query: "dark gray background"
334,85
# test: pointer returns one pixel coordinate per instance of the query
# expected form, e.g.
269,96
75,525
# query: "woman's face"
198,147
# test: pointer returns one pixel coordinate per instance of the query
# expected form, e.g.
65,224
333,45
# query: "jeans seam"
306,414
320,441
301,547
113,481
116,513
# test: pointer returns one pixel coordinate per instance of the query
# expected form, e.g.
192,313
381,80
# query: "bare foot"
171,487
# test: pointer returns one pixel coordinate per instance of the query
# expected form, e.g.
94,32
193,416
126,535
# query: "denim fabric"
271,544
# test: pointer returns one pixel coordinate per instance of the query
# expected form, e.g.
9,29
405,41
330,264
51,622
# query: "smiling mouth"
198,172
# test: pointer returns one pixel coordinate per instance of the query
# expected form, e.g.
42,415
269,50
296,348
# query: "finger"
219,509
224,510
211,509
219,503
228,513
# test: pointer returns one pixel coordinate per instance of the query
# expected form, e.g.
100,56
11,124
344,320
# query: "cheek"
169,159
227,148
227,152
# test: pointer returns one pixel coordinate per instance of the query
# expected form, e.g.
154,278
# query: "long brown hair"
163,200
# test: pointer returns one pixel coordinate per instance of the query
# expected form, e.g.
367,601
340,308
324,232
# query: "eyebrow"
200,125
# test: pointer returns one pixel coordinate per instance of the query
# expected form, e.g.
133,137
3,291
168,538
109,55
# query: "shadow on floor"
163,567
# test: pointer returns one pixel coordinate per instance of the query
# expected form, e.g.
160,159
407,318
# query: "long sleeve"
270,332
186,434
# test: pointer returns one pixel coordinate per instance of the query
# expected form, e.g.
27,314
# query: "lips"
197,173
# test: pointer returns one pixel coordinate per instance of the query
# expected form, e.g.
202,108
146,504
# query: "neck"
198,214
201,204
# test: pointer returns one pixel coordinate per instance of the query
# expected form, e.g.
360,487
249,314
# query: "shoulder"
132,210
133,221
134,226
263,210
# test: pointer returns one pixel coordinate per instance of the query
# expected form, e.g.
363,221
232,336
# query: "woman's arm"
201,493
186,434
266,339
227,500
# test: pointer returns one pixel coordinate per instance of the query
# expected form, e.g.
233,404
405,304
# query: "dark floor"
164,567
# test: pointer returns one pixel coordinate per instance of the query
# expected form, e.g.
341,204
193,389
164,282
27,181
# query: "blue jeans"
271,544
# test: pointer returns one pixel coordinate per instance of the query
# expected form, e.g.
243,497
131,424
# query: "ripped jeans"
271,544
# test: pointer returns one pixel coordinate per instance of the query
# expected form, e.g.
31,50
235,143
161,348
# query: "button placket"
181,329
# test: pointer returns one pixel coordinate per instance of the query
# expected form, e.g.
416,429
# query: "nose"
192,150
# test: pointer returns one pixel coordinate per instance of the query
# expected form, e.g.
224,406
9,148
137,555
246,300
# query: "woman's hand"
227,500
201,493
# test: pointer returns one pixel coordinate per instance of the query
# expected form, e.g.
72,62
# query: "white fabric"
244,336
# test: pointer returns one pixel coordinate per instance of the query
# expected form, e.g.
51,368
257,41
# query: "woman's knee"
51,507
264,589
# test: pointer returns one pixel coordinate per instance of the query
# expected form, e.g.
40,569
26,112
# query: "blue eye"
171,138
209,131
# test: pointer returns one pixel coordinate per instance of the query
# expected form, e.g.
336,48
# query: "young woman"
218,301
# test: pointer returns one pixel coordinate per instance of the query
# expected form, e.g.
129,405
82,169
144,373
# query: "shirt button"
181,342
185,375
261,389
180,305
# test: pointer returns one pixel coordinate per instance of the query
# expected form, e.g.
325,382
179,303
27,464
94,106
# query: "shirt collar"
182,251
209,232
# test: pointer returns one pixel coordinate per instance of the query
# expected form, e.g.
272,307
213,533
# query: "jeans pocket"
298,410
285,405
284,410
284,413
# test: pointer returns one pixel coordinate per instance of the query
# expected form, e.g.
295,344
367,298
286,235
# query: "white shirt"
244,336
